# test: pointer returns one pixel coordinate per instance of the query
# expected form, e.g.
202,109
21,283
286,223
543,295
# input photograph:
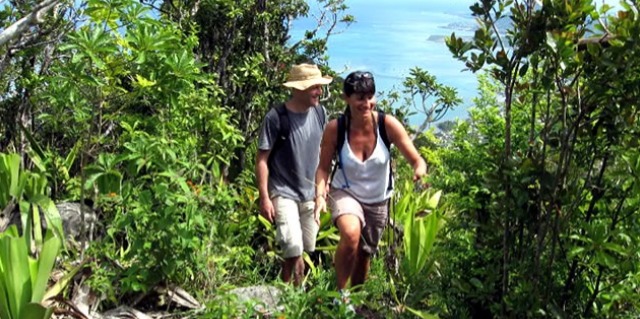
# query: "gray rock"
267,295
71,220
125,312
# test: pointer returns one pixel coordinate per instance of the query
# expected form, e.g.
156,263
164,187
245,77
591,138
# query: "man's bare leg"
295,266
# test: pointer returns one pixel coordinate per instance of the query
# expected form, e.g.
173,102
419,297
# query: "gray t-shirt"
292,167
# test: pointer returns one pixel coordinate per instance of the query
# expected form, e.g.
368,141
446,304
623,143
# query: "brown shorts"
373,217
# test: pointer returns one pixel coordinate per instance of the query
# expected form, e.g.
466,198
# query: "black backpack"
284,128
342,128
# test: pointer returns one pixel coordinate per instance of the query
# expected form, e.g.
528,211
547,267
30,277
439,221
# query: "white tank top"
367,181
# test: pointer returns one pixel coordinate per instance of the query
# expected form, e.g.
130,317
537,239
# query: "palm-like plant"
23,277
421,220
26,260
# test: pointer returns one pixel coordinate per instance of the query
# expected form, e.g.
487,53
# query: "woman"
360,189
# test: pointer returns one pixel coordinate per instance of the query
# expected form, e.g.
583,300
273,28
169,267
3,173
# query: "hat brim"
303,85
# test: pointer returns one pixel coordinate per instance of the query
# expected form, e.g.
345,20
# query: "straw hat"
304,76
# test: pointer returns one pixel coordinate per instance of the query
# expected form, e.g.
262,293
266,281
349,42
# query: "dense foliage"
546,166
148,113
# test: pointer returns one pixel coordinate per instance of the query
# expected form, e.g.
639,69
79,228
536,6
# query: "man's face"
311,95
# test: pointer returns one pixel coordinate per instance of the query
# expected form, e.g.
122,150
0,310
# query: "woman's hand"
419,171
320,206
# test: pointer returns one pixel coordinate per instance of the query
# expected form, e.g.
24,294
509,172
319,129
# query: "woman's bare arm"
327,150
399,137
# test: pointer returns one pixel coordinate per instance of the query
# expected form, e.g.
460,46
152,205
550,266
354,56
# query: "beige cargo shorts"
296,229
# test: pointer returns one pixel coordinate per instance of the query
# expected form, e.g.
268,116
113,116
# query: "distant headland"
441,38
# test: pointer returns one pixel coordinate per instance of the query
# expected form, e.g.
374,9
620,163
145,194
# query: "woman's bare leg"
346,253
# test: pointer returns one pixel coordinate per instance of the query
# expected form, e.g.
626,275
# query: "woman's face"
361,103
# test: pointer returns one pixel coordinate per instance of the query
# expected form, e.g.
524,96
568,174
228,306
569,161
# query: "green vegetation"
26,260
148,112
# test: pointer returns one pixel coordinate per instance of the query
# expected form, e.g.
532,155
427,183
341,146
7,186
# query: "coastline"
391,38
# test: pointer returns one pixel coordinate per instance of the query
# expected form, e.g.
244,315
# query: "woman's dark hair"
359,82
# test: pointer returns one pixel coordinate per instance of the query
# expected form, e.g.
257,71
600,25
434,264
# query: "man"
286,165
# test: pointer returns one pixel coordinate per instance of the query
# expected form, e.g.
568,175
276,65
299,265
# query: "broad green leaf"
11,168
434,200
143,82
27,225
419,232
576,251
394,292
35,146
476,283
71,157
4,302
613,247
14,258
421,314
309,262
6,291
46,261
35,310
265,223
51,214
36,229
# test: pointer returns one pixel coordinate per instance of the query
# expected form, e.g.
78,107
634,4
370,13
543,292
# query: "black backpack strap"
284,130
284,127
382,128
342,128
322,115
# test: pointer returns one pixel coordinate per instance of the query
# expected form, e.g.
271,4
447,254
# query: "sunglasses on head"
359,76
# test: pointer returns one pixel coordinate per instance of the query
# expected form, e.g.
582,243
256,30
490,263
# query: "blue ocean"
391,37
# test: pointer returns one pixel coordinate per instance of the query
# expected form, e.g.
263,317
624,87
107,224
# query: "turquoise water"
391,37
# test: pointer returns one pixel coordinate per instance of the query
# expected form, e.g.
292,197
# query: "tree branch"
32,18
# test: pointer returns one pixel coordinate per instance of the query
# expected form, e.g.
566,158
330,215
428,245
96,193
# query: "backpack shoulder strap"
322,115
382,128
283,117
342,128
284,127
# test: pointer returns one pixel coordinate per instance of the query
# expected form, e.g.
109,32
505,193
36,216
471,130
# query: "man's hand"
266,209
